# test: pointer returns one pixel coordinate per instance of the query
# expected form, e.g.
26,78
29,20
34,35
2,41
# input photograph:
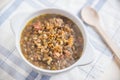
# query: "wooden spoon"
91,17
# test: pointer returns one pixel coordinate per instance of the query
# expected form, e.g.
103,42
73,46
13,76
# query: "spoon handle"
115,50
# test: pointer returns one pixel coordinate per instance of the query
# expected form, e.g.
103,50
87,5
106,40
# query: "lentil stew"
51,41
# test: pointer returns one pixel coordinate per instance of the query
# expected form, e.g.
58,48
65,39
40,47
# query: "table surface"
111,73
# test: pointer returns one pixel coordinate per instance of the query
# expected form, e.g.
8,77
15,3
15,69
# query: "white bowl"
87,54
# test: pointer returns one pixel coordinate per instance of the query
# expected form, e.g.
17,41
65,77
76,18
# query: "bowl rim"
83,31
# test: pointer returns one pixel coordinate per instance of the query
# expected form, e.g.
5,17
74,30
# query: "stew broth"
51,42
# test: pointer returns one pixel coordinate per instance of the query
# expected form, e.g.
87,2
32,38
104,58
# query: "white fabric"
109,13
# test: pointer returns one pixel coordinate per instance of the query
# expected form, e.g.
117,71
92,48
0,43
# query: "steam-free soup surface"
51,42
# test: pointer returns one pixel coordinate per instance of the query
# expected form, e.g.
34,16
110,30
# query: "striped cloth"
12,66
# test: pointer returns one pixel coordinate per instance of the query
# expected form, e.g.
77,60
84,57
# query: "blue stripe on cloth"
33,4
5,52
9,55
10,10
16,60
13,7
44,77
46,2
33,73
89,2
11,71
99,5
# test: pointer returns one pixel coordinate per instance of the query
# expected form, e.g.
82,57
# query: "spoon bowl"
90,16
